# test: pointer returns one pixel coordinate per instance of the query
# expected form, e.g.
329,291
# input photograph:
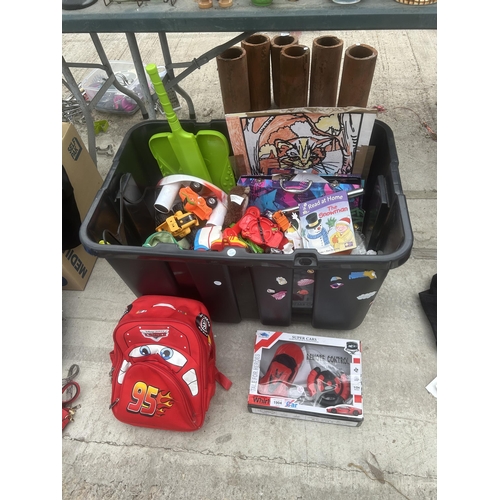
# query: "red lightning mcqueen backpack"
163,359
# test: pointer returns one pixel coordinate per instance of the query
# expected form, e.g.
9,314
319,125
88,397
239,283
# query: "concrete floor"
238,455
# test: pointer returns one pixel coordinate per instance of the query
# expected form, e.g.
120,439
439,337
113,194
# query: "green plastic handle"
172,119
183,150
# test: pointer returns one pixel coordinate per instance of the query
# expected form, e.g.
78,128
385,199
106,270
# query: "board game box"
307,377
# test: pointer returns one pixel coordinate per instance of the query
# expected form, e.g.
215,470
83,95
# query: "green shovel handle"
173,121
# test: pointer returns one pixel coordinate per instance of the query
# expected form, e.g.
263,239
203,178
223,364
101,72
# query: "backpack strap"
222,379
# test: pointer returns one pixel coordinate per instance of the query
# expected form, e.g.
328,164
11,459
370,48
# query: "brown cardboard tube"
294,76
258,47
233,78
357,75
326,58
277,44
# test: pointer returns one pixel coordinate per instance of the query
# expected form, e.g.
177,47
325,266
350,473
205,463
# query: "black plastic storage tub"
336,290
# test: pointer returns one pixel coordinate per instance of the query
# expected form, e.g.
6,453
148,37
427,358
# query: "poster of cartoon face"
325,142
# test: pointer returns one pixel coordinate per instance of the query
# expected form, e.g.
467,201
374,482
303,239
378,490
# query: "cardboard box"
77,266
307,377
86,180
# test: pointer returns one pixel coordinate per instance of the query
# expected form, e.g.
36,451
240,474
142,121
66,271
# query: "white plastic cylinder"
166,198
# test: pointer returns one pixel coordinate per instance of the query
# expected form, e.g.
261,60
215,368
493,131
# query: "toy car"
280,218
327,387
179,224
198,205
344,410
282,370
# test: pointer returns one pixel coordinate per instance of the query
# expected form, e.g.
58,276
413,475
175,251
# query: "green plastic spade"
215,151
204,155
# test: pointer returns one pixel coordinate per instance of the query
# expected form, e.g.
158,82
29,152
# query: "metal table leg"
88,106
107,67
170,75
172,81
196,63
141,74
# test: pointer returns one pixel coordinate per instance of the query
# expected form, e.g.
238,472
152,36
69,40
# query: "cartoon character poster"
325,141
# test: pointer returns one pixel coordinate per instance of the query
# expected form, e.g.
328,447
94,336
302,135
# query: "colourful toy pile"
197,215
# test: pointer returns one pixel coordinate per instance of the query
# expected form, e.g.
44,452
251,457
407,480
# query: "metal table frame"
131,17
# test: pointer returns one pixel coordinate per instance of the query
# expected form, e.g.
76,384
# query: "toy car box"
307,377
330,291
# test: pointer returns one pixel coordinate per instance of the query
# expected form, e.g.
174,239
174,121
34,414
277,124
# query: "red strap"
223,380
66,387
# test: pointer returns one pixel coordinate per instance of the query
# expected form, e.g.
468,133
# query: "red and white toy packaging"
307,377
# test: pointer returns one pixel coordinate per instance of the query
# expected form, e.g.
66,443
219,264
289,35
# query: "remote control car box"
307,377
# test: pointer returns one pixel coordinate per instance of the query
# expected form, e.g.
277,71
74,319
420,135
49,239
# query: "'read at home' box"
307,377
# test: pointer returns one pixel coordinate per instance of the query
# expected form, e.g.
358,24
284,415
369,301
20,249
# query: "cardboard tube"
294,76
258,48
233,78
357,75
277,44
325,70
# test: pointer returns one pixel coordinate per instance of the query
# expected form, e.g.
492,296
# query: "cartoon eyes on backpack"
168,354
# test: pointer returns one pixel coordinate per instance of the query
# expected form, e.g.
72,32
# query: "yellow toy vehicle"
179,224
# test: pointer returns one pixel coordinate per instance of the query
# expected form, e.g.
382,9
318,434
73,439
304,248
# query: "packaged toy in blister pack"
312,378
277,193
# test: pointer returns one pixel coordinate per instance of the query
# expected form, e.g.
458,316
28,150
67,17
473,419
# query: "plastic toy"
281,219
205,236
196,204
328,388
293,232
260,230
205,155
228,238
169,194
282,370
216,239
179,224
164,237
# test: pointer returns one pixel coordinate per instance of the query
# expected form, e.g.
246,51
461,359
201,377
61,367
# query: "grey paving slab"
238,455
